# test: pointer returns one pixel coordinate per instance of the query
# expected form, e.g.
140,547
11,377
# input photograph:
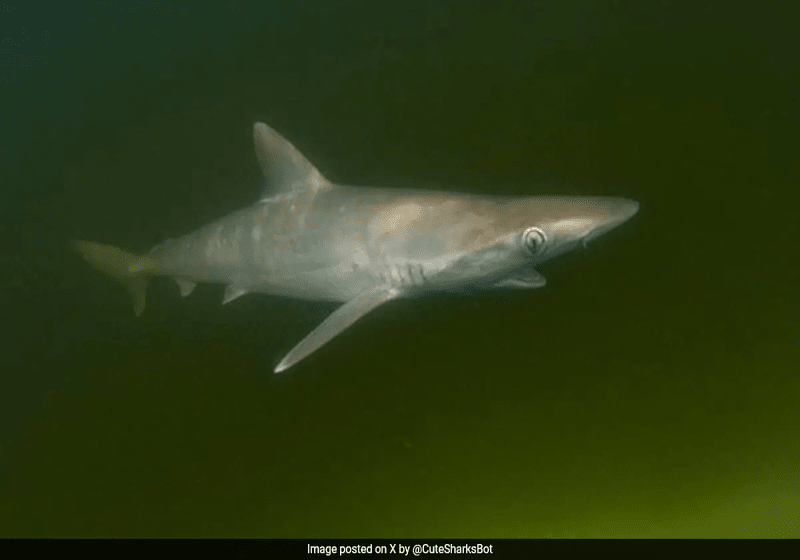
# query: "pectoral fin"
338,321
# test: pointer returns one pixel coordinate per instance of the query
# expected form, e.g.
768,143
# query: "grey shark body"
312,239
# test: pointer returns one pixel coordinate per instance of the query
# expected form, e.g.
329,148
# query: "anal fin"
185,286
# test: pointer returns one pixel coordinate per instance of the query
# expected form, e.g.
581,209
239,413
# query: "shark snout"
623,211
612,212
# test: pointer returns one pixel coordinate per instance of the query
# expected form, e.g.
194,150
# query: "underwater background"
651,389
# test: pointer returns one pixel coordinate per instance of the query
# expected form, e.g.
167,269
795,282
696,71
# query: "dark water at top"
650,389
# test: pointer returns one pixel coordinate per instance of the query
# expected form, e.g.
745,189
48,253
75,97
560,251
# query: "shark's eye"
534,239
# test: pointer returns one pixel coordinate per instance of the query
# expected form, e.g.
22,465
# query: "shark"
312,239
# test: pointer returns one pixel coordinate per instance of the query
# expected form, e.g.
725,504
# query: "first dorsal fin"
284,167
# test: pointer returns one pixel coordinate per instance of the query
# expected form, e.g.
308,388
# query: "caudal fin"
116,263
